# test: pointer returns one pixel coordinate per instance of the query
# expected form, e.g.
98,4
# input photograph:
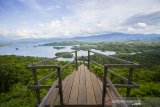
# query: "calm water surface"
32,49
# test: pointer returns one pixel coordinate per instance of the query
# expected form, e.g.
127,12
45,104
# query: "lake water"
32,49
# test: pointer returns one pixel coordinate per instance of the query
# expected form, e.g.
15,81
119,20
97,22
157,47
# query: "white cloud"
94,16
25,33
142,25
52,7
89,17
131,29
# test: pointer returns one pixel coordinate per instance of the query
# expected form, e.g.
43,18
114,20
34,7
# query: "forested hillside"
15,79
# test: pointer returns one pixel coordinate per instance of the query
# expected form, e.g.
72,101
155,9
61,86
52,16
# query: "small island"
62,43
58,47
65,54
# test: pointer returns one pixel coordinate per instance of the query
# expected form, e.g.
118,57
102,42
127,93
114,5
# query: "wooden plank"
74,92
68,87
100,83
90,93
97,90
64,82
82,87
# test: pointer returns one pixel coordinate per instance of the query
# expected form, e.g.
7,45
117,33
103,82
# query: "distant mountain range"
97,37
120,37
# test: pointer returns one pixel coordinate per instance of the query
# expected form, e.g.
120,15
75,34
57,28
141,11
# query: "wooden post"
36,83
76,60
129,81
111,77
88,59
104,86
60,85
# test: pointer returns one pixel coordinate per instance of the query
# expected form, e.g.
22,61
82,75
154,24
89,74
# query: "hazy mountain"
98,37
121,37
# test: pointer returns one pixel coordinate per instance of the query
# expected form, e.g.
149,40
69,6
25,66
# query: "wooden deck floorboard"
82,87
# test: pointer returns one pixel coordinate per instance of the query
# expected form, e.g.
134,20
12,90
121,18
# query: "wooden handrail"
122,65
67,64
42,66
49,92
47,76
115,74
116,94
96,63
111,57
40,86
123,85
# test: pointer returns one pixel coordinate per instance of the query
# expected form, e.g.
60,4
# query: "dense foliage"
63,43
15,79
147,76
59,47
64,54
5,44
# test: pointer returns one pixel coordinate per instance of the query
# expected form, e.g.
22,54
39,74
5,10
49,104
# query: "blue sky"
69,18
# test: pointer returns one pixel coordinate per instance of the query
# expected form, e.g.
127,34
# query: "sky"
70,18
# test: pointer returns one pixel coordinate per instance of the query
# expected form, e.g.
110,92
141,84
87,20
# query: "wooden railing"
107,84
57,83
106,81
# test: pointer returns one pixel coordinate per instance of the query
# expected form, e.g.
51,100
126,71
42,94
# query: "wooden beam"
123,86
111,57
47,76
48,94
113,90
114,74
97,63
104,85
88,59
76,59
41,66
129,81
35,73
66,65
39,86
122,65
60,85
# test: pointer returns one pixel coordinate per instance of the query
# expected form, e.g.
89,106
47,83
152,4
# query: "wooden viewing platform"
83,87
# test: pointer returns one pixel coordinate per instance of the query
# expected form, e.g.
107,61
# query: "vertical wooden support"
88,59
129,81
104,86
76,60
60,85
36,83
111,76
